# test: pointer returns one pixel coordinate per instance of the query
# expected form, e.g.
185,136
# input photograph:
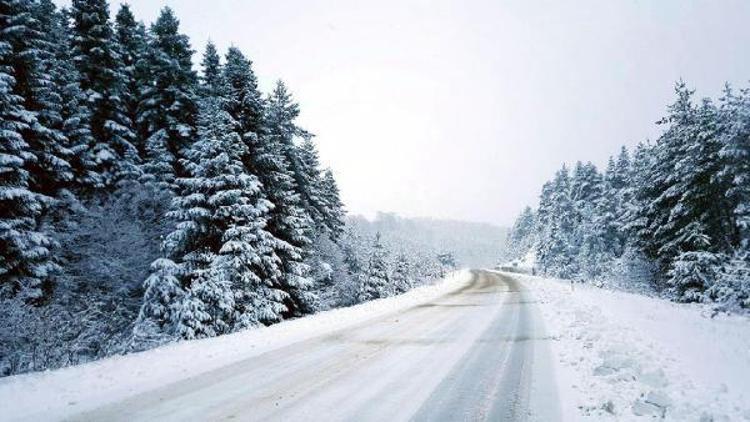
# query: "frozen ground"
623,356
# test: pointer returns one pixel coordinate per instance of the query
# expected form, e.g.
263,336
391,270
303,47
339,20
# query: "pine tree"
684,195
244,101
521,236
633,218
75,113
309,169
659,191
133,43
376,282
735,151
401,276
264,157
162,300
700,227
353,259
619,178
606,239
542,227
308,163
318,190
96,55
333,206
693,272
25,262
212,81
703,198
223,253
289,222
33,66
561,247
618,186
585,185
247,257
588,244
731,287
168,107
607,209
208,309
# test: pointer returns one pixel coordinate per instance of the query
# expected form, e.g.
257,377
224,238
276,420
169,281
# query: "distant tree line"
674,214
380,264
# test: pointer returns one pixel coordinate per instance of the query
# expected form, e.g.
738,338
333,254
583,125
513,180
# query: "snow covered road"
476,353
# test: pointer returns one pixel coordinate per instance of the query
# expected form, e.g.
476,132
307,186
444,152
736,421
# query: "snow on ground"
64,392
623,356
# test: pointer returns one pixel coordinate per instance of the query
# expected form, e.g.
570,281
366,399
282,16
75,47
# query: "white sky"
462,109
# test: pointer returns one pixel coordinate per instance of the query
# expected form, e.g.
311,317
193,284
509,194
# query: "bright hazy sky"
462,109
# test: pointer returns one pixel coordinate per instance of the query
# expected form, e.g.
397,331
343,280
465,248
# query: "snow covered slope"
629,357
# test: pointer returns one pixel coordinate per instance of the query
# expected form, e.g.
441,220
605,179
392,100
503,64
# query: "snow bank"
64,392
622,356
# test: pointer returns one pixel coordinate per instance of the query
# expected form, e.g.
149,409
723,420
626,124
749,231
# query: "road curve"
477,353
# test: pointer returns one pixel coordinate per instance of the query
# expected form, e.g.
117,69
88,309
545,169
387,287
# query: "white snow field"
623,356
480,345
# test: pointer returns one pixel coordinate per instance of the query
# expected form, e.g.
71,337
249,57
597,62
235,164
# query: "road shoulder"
626,356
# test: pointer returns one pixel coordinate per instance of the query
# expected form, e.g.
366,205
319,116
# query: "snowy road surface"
477,353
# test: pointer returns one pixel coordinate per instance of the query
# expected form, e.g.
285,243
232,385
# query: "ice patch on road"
61,393
629,357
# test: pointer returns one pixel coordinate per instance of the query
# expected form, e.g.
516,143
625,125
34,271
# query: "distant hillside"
474,245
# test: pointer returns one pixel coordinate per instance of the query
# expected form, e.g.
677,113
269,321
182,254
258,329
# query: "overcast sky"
462,109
